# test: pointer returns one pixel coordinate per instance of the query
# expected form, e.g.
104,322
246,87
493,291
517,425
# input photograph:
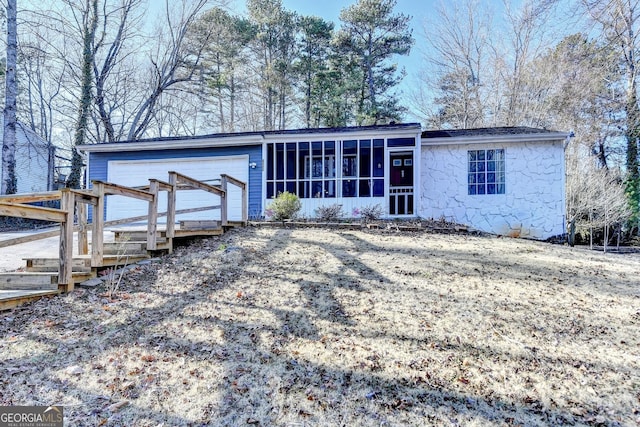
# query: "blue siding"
98,165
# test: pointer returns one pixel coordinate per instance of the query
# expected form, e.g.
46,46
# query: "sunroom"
352,167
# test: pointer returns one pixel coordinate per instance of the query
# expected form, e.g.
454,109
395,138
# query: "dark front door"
401,184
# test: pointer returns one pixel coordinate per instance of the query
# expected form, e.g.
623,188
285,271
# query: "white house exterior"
507,181
34,160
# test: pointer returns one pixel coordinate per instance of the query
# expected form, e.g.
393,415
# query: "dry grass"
318,327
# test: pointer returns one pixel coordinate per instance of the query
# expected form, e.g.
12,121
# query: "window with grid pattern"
486,173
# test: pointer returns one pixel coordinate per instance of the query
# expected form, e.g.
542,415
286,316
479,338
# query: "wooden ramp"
13,298
50,276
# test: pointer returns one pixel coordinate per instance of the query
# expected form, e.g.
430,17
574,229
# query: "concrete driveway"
12,257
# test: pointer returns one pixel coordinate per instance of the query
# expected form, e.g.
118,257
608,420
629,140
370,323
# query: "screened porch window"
363,168
326,169
307,169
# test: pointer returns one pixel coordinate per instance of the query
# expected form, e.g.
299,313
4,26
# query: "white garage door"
134,173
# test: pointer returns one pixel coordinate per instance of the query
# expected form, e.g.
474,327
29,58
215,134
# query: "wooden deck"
46,276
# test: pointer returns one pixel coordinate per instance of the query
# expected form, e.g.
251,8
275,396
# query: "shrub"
329,213
285,206
371,213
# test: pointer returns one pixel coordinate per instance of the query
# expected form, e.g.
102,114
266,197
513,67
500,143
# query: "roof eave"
345,134
172,144
482,139
254,139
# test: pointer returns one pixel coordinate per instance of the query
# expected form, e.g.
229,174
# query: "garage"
134,173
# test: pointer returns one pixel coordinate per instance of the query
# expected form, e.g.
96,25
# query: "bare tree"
458,36
90,23
42,80
526,31
173,62
109,74
9,181
595,196
619,21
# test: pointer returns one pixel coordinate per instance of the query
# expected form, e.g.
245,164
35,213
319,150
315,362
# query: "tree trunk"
633,129
307,106
223,126
232,101
9,181
86,96
633,136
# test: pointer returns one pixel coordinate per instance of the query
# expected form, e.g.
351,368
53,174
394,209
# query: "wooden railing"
74,202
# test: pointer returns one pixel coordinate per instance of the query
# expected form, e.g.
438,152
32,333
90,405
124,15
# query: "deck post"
245,205
171,209
97,230
223,201
65,277
83,240
152,222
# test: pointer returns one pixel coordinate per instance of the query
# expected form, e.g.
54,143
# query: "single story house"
35,160
503,180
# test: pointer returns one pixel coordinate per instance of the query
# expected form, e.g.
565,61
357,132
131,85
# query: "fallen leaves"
149,358
320,327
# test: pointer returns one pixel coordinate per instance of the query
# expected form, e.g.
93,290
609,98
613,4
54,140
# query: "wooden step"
231,224
117,260
125,247
53,264
194,233
137,236
199,225
29,280
36,280
12,298
82,263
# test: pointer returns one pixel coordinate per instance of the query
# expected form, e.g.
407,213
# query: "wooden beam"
83,240
152,221
30,238
83,196
223,200
243,186
31,197
162,185
65,275
33,212
234,181
120,190
12,299
97,229
144,217
53,233
183,179
171,206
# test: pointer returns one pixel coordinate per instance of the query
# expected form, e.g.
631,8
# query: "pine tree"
374,34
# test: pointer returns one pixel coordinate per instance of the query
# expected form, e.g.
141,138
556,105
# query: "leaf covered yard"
322,327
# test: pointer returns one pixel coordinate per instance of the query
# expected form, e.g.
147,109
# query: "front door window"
401,184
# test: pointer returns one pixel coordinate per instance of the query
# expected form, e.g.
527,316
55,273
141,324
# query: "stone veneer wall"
533,205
